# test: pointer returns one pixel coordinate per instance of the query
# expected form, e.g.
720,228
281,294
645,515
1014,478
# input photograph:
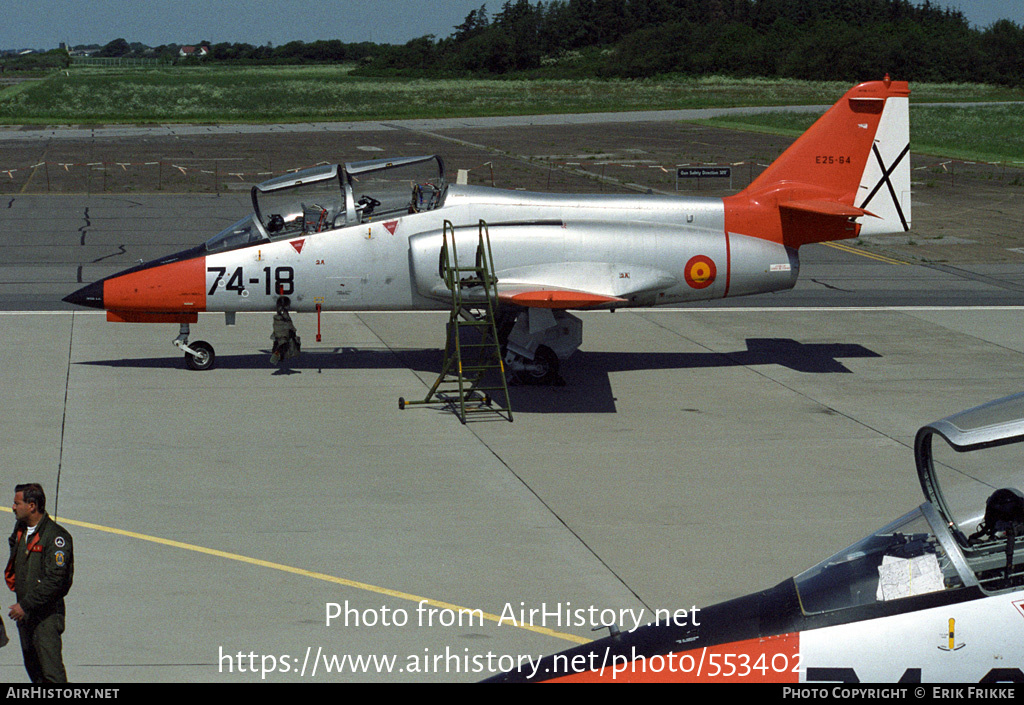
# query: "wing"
555,298
565,285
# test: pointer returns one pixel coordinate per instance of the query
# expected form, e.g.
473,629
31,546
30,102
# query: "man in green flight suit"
40,572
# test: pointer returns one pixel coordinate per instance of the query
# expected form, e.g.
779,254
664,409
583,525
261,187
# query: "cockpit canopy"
966,463
332,196
969,463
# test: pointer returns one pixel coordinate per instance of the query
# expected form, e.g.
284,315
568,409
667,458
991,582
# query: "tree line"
843,40
297,52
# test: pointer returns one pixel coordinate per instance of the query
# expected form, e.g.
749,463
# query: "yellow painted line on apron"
320,576
870,255
28,181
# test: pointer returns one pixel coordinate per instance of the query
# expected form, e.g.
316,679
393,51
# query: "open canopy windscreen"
397,186
971,468
310,200
964,458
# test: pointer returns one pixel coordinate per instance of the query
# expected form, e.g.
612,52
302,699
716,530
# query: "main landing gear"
542,370
536,343
198,355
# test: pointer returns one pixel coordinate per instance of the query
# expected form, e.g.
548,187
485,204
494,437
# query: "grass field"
87,95
989,133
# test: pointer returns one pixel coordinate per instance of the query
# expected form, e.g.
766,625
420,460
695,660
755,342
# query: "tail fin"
848,175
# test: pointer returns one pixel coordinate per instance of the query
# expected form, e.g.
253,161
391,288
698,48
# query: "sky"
43,24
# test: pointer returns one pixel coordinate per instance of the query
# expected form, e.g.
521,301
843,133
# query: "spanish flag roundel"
700,272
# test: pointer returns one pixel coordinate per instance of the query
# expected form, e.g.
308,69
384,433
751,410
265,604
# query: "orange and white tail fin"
848,175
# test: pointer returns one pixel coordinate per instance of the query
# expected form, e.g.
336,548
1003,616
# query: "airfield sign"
703,172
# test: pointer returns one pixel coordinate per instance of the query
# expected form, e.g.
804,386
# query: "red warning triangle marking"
1019,604
391,225
297,244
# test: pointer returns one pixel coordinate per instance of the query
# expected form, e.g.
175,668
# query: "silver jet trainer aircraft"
935,596
369,236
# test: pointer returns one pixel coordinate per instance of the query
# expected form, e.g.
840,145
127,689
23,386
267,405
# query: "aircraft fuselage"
640,250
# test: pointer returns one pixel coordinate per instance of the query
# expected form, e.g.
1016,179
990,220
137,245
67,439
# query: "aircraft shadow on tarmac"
588,387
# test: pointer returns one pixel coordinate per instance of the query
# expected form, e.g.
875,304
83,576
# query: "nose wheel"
201,356
198,355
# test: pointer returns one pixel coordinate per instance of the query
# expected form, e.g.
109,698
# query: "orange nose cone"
175,287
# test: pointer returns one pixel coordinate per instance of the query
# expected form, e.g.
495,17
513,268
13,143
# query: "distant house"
197,52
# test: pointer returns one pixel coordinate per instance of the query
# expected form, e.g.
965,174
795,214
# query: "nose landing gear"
199,355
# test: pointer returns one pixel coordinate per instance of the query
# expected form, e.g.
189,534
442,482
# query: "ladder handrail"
450,261
490,281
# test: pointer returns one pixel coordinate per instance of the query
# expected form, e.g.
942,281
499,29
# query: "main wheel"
544,368
204,357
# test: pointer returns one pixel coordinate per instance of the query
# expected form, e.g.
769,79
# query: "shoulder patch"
59,558
59,542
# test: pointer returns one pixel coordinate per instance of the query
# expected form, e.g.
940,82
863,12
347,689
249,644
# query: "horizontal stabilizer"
556,298
833,208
